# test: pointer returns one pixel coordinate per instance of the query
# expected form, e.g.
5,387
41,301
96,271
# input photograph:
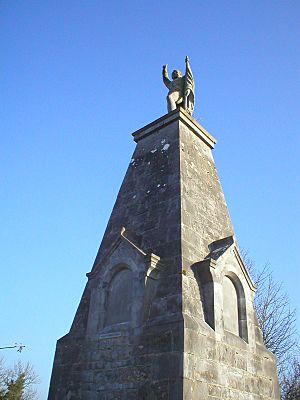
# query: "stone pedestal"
167,312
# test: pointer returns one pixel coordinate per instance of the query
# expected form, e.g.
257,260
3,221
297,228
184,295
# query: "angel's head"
176,74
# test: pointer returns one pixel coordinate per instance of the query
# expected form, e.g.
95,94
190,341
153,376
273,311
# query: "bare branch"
290,382
277,321
20,372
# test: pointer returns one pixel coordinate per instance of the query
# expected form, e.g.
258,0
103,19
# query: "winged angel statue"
181,88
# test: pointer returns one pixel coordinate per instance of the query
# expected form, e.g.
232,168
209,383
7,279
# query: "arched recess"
235,313
206,288
119,298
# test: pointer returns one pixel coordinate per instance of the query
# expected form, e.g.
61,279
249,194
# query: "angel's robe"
175,95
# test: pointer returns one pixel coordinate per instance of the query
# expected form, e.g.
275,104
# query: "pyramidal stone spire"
167,312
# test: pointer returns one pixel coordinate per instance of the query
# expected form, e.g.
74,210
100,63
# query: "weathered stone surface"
154,319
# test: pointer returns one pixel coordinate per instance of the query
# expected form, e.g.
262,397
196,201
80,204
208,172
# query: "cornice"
176,115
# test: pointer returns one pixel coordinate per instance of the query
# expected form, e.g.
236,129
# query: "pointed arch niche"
119,297
234,306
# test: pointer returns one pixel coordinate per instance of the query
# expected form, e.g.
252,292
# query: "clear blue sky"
77,77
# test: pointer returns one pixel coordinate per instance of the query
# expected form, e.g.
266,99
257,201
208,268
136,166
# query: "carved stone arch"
230,278
111,270
118,295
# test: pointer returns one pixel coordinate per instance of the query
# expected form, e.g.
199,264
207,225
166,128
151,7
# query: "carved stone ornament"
181,88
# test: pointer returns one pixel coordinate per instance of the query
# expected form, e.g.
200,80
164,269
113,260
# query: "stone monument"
167,311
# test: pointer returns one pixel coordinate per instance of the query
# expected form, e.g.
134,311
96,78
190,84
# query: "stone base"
167,312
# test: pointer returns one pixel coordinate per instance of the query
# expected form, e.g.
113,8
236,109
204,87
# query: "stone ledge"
176,115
